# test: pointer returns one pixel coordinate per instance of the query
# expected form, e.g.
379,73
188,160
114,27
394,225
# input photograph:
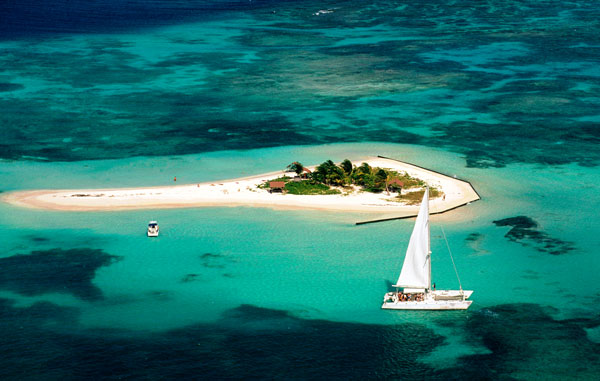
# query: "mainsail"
416,270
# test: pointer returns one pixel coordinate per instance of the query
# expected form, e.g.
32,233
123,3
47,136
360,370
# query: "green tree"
346,165
329,173
365,168
387,183
296,167
362,175
336,176
379,180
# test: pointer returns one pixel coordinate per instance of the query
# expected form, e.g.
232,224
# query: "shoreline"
244,192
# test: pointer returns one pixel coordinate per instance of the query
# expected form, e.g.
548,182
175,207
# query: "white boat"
152,229
413,288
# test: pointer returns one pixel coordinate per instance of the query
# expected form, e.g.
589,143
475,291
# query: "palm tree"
296,167
346,166
387,182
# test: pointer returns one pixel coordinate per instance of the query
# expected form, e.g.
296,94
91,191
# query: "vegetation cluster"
348,176
305,187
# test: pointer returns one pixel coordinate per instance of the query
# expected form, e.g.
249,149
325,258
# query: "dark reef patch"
547,141
524,340
525,231
215,261
529,274
474,241
160,295
56,270
250,342
39,314
247,313
5,87
39,239
519,224
97,65
190,278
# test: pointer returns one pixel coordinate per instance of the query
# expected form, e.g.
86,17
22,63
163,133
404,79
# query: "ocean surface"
132,93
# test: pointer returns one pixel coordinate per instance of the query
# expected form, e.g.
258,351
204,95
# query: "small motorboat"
153,229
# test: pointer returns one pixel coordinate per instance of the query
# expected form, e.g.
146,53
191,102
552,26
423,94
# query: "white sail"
416,270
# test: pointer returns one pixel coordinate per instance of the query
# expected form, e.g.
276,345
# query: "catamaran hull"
428,305
435,300
451,294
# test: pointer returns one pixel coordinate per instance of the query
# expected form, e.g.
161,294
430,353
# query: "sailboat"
152,229
413,288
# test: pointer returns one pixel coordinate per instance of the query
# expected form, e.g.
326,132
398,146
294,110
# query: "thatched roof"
276,184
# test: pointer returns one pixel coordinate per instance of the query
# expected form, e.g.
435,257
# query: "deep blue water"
250,342
489,81
509,91
34,18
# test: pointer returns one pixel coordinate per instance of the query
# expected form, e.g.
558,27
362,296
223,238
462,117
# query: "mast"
428,240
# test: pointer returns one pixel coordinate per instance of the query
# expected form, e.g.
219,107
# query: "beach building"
305,172
276,186
395,184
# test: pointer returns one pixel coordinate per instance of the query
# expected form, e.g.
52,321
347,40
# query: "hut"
395,185
276,186
305,173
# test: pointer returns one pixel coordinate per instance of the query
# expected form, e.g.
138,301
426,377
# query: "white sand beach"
245,192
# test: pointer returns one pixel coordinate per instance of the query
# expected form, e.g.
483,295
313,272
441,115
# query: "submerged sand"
245,192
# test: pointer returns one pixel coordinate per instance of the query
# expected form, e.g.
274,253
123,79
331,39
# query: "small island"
347,178
371,185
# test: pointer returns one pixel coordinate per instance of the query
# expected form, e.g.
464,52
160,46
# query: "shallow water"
313,265
504,95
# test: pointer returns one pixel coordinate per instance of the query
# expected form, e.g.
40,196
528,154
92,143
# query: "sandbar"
245,192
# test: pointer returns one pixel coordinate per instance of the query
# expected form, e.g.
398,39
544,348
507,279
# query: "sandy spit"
244,192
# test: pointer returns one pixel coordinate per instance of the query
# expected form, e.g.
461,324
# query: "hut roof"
396,182
276,184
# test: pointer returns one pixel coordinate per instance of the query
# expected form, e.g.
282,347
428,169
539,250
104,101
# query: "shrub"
309,188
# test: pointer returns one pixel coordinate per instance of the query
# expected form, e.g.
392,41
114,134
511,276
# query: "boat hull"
451,294
434,300
440,305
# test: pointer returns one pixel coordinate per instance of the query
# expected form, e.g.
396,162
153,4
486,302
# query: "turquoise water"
94,95
315,265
